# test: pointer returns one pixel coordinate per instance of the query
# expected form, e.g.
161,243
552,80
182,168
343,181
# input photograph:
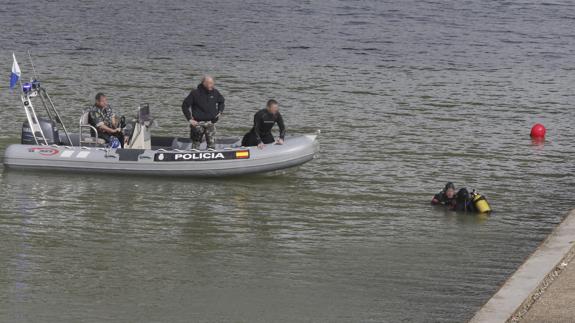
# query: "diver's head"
272,106
208,82
462,195
449,190
101,100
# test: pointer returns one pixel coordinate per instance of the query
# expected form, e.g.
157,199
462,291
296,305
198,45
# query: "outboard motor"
48,127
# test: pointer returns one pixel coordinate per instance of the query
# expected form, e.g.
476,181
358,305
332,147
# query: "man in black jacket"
202,108
264,121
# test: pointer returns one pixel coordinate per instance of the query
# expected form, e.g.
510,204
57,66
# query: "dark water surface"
408,95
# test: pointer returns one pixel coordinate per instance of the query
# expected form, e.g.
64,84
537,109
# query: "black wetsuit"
461,201
441,199
261,132
464,201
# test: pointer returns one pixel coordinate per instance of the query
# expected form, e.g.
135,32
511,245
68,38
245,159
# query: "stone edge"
514,298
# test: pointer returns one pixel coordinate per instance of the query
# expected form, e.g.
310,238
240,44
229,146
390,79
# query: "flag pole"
19,78
36,76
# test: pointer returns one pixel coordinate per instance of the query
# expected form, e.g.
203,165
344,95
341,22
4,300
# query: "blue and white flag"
15,75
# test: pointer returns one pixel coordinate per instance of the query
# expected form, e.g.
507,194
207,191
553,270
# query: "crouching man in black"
264,121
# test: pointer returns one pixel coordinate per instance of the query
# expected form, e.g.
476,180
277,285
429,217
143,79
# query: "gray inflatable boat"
47,145
228,159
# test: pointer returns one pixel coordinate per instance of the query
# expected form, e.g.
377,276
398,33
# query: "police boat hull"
227,160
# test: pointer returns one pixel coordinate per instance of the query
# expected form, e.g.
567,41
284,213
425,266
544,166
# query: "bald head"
208,82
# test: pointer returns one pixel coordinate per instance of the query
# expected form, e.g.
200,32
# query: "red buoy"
538,131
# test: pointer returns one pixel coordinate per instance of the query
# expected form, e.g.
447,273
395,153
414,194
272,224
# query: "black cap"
448,186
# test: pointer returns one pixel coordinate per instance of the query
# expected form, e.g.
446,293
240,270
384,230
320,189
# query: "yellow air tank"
481,203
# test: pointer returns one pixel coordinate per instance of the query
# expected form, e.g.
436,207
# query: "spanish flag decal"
242,154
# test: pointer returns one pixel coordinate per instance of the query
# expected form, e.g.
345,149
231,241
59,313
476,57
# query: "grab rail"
81,141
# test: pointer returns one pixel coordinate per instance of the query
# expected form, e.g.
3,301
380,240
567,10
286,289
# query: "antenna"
36,76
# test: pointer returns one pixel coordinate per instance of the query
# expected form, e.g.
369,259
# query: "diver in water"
446,197
462,201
